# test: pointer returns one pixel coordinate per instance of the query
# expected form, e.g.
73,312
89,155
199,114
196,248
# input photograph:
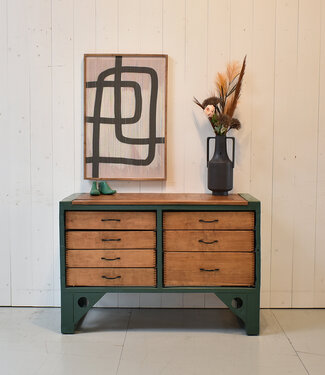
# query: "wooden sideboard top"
160,198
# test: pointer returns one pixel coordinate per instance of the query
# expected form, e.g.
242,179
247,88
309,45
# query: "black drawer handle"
207,242
103,258
111,219
208,221
111,278
203,269
111,239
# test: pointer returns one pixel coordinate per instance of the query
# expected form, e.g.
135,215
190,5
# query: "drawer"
208,220
111,277
110,240
111,258
210,240
110,220
208,269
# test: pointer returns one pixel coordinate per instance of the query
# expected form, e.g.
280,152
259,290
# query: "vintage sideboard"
160,243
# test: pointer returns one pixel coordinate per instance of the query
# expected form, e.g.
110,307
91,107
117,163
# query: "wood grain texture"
160,198
189,269
199,240
121,277
121,239
110,220
208,220
111,258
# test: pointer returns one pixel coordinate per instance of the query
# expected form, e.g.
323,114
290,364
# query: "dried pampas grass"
225,101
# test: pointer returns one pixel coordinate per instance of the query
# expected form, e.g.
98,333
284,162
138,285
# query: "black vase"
220,167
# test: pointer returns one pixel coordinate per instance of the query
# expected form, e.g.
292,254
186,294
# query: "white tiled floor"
161,341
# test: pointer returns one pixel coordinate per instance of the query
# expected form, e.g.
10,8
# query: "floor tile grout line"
289,341
317,354
126,332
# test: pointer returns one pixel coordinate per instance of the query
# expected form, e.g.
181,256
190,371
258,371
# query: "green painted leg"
67,322
252,321
246,307
74,306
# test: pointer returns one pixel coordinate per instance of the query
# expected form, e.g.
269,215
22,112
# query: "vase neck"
220,145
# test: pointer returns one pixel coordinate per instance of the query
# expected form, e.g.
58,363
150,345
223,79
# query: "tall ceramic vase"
220,167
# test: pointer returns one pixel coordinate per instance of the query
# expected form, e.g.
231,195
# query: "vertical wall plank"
20,176
41,152
5,287
197,128
106,26
305,163
283,160
262,62
62,118
218,48
84,42
319,286
241,45
173,45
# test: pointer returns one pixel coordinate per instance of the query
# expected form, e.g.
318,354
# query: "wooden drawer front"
111,277
199,240
110,240
208,220
192,269
110,220
111,258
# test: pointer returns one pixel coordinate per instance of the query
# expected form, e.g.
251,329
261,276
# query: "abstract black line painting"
125,117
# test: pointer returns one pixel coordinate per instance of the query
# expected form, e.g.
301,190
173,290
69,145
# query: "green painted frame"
77,301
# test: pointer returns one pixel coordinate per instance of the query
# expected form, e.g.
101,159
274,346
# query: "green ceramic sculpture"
94,190
103,188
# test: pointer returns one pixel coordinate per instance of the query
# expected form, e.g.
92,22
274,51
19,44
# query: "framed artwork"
125,106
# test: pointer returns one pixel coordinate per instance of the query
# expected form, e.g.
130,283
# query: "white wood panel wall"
280,149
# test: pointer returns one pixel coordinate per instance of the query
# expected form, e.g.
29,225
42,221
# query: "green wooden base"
74,307
246,307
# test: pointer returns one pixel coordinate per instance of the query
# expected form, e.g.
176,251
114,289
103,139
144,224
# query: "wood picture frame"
125,116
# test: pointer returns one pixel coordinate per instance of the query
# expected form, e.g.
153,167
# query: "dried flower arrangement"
220,108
